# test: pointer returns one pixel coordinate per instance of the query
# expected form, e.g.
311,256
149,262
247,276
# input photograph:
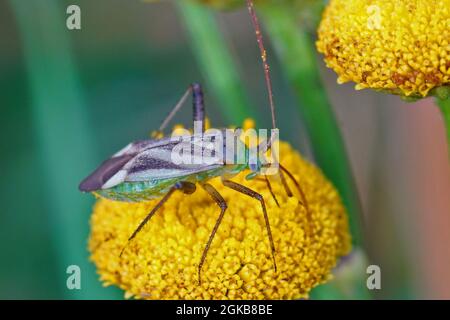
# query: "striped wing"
148,160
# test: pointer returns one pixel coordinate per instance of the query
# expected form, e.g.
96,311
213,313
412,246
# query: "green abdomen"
153,189
138,191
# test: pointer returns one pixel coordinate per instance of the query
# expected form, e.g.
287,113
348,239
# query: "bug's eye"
253,167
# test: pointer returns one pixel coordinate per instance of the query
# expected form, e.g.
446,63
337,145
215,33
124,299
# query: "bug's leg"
304,202
299,188
186,187
215,195
198,106
249,192
268,146
174,110
269,186
285,185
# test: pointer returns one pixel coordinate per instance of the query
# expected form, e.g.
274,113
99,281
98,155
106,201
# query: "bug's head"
263,160
262,169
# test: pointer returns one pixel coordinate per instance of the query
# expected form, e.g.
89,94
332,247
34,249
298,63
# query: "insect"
144,169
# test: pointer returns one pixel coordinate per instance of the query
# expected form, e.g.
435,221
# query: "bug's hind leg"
174,111
186,187
249,192
198,106
215,195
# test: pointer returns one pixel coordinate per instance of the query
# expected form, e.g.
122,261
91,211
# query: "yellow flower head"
162,261
399,46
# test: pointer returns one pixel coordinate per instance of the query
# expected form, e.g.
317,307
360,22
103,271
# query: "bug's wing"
104,173
140,145
110,172
142,161
159,162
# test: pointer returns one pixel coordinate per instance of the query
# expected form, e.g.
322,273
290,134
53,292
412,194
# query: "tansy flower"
162,261
399,46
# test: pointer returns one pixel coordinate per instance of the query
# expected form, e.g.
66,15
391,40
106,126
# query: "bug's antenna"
263,52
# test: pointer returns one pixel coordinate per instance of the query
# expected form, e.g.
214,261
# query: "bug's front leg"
198,108
304,202
186,187
269,186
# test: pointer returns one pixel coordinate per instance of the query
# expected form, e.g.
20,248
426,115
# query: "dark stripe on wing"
145,163
107,169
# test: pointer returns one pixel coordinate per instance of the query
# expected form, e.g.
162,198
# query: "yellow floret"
162,261
399,46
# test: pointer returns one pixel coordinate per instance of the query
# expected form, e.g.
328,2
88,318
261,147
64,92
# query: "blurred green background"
70,99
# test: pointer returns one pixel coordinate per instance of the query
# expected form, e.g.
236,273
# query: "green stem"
444,105
296,51
215,60
62,135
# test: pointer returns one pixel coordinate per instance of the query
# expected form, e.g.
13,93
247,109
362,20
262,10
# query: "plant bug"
145,169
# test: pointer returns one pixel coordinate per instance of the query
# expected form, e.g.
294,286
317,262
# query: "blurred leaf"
444,105
296,52
62,136
215,61
349,279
